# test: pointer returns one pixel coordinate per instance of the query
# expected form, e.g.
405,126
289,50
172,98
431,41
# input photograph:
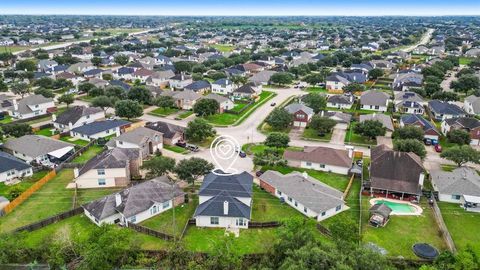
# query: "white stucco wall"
327,168
90,178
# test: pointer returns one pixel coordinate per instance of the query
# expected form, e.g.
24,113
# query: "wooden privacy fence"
27,193
45,222
269,224
345,193
148,231
443,227
323,230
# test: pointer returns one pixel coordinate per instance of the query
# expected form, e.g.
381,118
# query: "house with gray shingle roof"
111,168
374,101
31,106
99,129
304,193
147,140
225,201
320,158
302,114
224,102
471,105
77,116
442,110
468,124
462,185
41,149
135,204
12,167
386,120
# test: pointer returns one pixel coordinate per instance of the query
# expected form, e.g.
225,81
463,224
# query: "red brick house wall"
267,187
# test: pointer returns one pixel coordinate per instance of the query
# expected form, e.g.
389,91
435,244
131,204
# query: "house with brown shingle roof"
395,174
321,158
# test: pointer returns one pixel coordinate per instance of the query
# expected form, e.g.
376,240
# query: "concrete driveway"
338,134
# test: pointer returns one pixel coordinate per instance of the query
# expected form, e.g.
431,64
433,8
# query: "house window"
322,165
456,197
279,192
296,204
120,142
289,199
101,171
214,221
323,214
102,182
377,107
166,204
88,116
241,222
153,210
309,164
338,208
133,219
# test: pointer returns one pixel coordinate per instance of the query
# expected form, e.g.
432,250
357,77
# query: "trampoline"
425,251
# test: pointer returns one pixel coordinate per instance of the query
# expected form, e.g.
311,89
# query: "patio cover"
61,152
471,199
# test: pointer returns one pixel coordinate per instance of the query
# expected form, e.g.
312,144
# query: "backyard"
163,111
91,152
462,226
354,138
312,134
7,191
74,140
402,232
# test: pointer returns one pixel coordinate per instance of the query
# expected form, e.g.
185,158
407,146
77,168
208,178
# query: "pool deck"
418,209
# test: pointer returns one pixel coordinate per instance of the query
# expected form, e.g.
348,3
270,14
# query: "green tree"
3,86
96,61
158,166
279,119
354,87
121,59
17,130
466,83
277,139
67,99
314,79
44,92
115,91
20,89
140,94
315,101
183,66
191,169
461,154
128,108
95,92
370,129
165,102
198,130
281,78
62,83
26,65
85,87
45,82
206,107
323,125
409,132
269,157
375,73
103,102
459,136
410,145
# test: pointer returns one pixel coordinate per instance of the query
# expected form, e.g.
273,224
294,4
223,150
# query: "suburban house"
336,82
246,91
262,77
160,78
471,105
184,100
374,101
462,185
429,129
142,74
99,129
12,167
77,116
172,134
340,101
307,195
406,81
321,158
409,102
386,120
442,110
200,87
339,117
125,73
147,140
39,149
225,201
179,81
224,102
389,176
223,86
31,106
111,168
302,114
135,204
469,124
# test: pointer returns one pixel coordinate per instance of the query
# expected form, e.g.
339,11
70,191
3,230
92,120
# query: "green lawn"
22,186
223,47
354,138
239,106
443,141
7,119
176,149
185,114
46,132
76,141
334,180
87,155
51,199
163,111
222,119
462,226
164,221
316,90
402,232
47,117
352,201
312,134
465,60
266,128
267,207
91,194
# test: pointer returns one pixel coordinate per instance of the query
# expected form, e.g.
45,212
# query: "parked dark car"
427,141
242,154
181,144
258,173
273,104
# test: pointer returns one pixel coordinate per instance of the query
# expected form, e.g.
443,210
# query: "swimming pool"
399,207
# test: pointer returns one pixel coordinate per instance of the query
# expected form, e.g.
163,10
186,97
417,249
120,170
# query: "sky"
243,7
